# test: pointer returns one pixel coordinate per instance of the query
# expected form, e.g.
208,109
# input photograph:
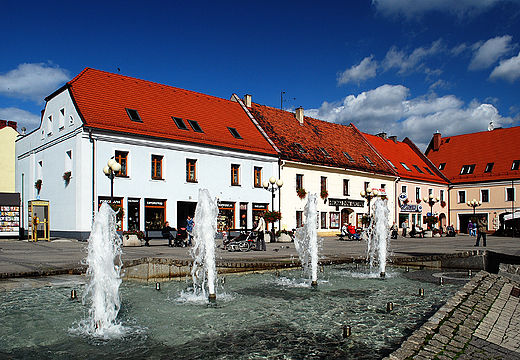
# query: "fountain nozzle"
157,286
346,331
389,307
382,274
314,283
212,298
73,294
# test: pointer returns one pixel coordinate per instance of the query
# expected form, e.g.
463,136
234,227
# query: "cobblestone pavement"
480,322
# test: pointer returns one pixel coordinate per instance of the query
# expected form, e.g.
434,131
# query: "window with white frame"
510,194
417,193
461,196
484,195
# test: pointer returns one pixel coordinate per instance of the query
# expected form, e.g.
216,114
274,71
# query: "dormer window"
391,164
418,169
324,152
428,170
195,126
234,132
442,166
516,165
467,169
133,115
300,148
347,155
368,160
180,123
489,167
405,166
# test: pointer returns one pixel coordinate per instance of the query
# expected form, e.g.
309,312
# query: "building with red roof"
170,142
333,161
484,171
420,183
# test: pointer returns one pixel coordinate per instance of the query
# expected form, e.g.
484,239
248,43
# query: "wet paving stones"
482,321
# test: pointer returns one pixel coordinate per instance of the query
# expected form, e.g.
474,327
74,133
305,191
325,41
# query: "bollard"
441,281
469,272
407,269
157,286
389,306
382,274
421,292
322,269
346,331
73,294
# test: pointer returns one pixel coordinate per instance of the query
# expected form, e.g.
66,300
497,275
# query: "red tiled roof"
285,131
101,99
499,146
403,152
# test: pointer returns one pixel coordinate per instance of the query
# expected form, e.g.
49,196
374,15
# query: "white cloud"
413,62
508,70
416,8
32,81
366,69
22,117
387,108
488,53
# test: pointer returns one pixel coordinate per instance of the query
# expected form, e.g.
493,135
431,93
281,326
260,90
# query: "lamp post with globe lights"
431,200
110,171
270,186
369,194
474,204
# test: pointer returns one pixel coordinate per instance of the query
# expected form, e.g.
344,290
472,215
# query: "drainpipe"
93,141
513,208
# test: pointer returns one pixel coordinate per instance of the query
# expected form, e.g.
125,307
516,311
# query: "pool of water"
259,315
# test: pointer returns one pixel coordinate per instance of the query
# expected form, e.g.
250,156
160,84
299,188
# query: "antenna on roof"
282,100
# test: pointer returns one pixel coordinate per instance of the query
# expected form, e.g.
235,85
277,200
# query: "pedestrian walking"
404,225
470,228
189,229
481,230
260,239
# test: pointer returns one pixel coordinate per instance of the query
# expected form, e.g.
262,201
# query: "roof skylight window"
324,152
516,165
368,160
489,167
442,166
405,166
234,132
467,169
428,170
195,126
347,155
133,115
300,148
180,123
418,169
391,164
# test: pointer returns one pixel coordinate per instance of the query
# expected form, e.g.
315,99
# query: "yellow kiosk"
38,214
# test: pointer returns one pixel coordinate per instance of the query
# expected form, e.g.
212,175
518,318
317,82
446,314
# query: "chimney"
436,141
12,124
382,135
247,100
299,115
393,138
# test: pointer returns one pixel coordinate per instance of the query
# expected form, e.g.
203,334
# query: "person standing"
260,240
404,225
470,228
481,230
189,229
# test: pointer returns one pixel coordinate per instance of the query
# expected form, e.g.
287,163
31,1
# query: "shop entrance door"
134,208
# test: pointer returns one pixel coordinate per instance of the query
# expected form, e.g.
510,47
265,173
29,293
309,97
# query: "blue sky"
405,67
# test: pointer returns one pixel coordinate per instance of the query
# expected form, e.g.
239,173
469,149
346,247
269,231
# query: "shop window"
191,170
258,176
154,213
122,158
323,219
157,167
235,174
334,220
226,216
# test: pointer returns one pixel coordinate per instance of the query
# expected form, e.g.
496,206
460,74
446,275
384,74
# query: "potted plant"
38,185
430,220
132,238
418,200
284,236
443,203
301,193
67,175
324,194
272,216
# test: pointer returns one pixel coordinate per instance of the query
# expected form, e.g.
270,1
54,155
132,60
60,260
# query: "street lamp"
369,194
474,204
110,169
431,200
270,186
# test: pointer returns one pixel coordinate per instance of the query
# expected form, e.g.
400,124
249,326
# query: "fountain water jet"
377,236
306,240
204,269
104,267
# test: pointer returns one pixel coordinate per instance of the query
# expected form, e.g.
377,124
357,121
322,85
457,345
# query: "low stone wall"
474,260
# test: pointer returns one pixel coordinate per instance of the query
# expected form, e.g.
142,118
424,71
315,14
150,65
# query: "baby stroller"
243,242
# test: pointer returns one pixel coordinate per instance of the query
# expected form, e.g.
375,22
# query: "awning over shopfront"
510,216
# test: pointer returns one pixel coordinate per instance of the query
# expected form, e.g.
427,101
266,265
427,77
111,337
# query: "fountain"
306,241
377,236
204,270
103,260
